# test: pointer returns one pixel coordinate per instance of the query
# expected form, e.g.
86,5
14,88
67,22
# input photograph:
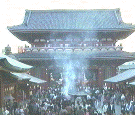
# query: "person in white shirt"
122,97
21,111
105,106
127,108
88,97
46,105
55,96
6,112
87,105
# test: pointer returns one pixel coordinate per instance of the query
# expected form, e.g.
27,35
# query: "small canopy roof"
12,65
124,67
22,76
129,74
9,97
132,83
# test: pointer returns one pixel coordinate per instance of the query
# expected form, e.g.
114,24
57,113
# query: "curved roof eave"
12,65
93,55
72,30
126,75
31,78
72,21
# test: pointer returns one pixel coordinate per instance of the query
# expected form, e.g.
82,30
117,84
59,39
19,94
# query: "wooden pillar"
16,91
28,92
0,93
26,88
100,77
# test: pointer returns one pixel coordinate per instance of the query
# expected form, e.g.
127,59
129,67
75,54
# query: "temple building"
86,38
15,82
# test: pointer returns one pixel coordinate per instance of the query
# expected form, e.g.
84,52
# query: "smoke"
72,74
73,64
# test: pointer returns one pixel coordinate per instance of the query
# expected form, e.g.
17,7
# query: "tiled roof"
109,19
95,55
12,65
132,83
7,77
22,76
127,75
127,67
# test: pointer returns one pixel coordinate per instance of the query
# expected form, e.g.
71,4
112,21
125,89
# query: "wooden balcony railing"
70,49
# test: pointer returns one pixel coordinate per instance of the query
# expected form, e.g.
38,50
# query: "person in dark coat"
109,109
112,108
32,108
80,111
133,108
90,111
123,108
15,105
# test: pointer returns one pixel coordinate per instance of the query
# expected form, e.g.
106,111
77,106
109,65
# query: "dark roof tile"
72,20
93,55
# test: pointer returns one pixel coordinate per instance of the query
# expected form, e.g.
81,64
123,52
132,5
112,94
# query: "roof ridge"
71,10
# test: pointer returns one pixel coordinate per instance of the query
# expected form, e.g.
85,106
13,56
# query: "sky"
12,13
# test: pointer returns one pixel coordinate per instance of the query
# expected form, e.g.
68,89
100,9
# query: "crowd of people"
53,102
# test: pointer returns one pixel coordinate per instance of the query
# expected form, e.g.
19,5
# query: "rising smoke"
73,64
73,73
